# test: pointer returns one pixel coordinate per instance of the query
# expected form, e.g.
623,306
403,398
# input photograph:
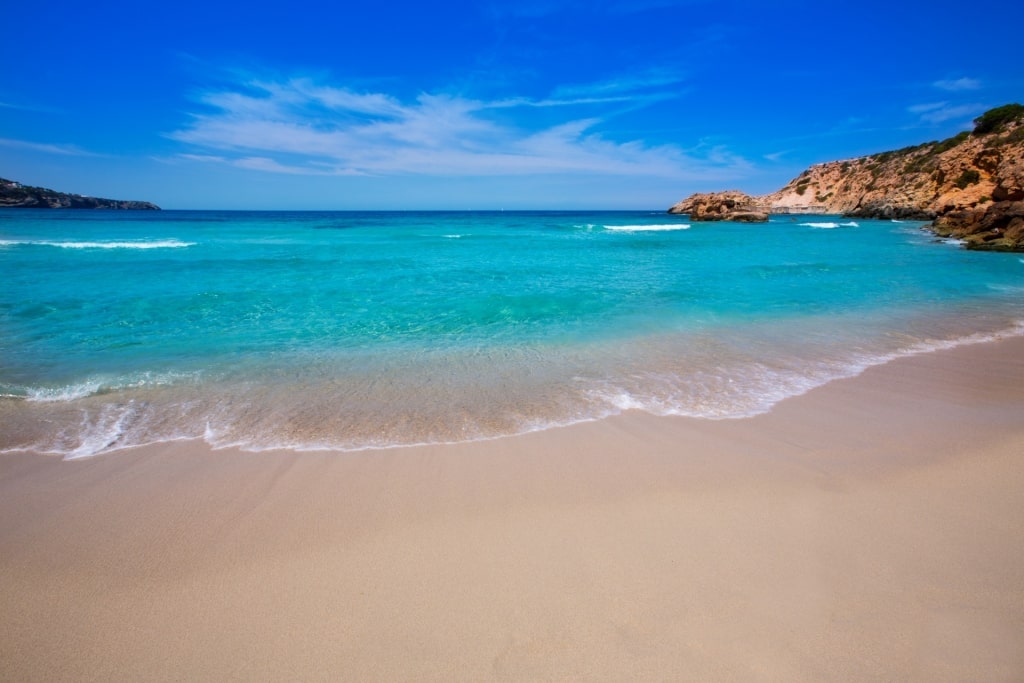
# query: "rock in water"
731,205
998,226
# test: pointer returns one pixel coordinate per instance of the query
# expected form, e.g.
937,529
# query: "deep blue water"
348,330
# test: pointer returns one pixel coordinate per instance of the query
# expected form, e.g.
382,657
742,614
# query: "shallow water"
353,330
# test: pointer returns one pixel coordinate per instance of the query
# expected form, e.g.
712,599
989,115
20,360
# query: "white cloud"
301,126
959,84
272,166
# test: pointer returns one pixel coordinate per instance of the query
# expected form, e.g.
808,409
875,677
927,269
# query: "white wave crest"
98,385
151,244
648,228
831,224
65,393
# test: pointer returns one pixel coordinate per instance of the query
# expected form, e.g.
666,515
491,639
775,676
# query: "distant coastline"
14,195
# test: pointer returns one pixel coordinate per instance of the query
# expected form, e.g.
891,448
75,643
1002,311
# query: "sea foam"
830,225
152,244
648,228
100,385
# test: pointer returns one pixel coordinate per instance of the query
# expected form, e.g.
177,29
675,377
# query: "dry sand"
872,529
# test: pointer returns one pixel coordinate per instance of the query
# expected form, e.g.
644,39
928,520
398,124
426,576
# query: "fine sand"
872,529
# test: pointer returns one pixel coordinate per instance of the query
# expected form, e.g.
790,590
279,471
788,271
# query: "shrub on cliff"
950,143
969,177
993,120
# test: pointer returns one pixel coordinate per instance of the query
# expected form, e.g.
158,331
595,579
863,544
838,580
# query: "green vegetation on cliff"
995,120
18,196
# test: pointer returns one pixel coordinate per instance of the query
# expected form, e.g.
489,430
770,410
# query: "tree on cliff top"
993,120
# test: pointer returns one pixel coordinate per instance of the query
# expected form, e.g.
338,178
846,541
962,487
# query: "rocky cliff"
16,195
971,185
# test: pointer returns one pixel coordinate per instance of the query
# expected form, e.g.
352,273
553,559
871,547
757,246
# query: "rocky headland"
16,195
971,186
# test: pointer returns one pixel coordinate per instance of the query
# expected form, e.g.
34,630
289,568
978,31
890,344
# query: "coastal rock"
998,226
17,196
967,184
731,205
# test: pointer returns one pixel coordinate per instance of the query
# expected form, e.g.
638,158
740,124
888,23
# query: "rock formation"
971,185
731,205
16,195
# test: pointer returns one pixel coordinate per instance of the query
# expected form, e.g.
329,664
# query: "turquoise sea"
353,330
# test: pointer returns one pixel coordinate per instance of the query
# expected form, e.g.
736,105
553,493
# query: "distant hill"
16,195
971,185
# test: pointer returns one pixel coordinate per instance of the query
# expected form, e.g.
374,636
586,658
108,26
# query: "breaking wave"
151,244
648,228
830,225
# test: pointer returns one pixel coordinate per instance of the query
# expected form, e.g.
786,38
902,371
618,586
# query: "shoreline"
871,528
105,437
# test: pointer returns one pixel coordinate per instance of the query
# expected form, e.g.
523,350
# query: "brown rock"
923,181
731,205
971,183
998,226
749,217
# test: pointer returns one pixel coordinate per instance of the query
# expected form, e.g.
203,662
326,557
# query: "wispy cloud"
63,149
654,81
304,126
958,84
926,107
939,112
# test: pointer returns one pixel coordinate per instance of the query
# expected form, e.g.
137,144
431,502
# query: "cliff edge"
971,185
16,195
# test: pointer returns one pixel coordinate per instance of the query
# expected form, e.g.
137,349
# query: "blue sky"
481,105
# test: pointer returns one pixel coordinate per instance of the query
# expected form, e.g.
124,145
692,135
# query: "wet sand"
872,529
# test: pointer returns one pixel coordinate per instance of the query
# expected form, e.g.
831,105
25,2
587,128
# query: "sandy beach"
872,529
